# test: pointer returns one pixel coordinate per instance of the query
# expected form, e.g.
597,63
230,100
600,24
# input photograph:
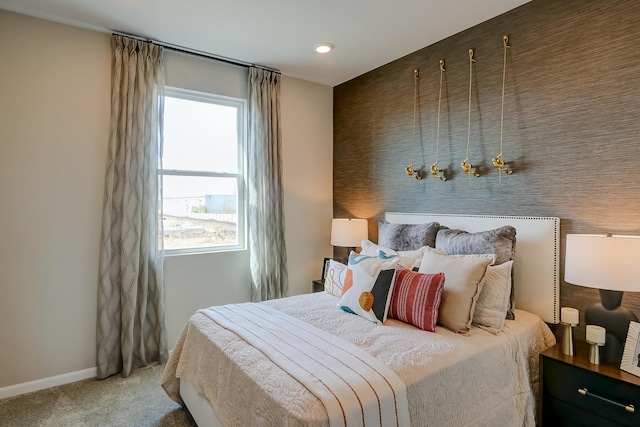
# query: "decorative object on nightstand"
348,233
325,268
596,338
575,392
569,318
608,263
318,285
631,356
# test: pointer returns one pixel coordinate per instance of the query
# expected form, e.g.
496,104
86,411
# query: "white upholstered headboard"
536,263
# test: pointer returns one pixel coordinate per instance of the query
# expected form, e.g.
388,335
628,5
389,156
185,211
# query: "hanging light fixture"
498,162
411,172
466,166
435,170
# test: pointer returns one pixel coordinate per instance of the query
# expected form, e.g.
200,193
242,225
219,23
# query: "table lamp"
348,233
610,264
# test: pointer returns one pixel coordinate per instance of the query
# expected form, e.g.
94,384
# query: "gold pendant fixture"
436,171
465,165
410,171
498,162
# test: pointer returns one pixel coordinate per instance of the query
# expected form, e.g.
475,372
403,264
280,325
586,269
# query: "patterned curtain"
130,329
266,219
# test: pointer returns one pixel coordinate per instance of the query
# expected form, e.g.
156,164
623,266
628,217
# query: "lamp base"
615,319
341,253
594,352
567,339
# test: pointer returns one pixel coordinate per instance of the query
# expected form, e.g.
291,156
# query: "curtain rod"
195,52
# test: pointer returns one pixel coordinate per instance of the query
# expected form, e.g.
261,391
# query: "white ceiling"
281,34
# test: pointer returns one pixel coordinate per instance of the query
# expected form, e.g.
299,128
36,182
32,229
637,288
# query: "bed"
474,378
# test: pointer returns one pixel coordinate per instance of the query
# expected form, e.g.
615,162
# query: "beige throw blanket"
355,388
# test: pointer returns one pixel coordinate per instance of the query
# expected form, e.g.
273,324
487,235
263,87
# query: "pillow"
463,274
493,301
367,287
334,278
371,249
501,241
406,262
416,298
403,237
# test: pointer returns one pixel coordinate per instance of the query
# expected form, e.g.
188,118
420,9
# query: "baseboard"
71,377
28,387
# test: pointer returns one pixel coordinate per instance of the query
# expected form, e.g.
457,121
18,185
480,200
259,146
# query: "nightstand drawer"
599,394
561,414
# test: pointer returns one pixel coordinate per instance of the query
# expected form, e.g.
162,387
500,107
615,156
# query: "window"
203,172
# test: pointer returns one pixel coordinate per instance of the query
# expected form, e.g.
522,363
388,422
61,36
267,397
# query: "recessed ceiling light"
324,48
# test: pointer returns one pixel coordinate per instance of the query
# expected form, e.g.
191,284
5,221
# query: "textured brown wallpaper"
571,126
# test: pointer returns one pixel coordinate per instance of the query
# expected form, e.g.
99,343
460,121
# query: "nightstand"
575,392
318,285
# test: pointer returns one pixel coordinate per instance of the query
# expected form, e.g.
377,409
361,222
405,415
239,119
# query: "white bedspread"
452,380
355,388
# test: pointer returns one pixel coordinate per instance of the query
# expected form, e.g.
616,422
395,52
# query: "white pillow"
368,286
334,278
371,249
462,276
494,299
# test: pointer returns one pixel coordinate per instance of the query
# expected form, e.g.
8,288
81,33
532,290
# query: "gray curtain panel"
266,219
130,329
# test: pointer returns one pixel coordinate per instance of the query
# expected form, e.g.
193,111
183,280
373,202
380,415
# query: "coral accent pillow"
416,298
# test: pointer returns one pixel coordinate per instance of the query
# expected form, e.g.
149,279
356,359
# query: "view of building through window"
202,172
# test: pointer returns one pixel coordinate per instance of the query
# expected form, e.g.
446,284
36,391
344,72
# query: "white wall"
54,118
307,134
54,124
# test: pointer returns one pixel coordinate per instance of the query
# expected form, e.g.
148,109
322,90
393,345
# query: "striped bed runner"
355,388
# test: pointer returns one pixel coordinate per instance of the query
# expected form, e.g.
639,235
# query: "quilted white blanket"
451,380
355,388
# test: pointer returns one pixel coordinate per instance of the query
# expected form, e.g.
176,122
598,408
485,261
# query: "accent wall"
571,126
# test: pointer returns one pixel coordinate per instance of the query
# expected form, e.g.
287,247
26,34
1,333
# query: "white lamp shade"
348,232
603,262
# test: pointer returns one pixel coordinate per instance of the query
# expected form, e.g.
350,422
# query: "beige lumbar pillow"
494,299
462,276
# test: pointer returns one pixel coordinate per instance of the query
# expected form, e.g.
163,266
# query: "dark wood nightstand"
318,285
575,392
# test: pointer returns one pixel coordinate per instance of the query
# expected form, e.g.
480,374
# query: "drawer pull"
628,408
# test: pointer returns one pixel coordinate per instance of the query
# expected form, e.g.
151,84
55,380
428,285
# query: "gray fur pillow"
501,242
407,237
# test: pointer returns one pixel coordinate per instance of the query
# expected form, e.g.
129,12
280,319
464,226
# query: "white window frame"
240,176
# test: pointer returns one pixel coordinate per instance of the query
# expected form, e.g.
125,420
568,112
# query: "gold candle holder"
594,352
567,338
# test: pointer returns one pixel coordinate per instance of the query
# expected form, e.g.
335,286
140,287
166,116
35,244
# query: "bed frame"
536,266
536,280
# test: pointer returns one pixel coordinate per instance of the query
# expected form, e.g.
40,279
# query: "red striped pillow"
416,298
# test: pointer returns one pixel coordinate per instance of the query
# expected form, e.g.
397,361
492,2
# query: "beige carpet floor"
137,401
